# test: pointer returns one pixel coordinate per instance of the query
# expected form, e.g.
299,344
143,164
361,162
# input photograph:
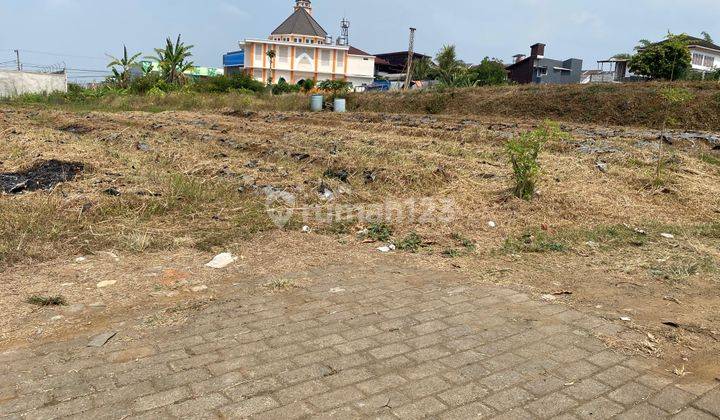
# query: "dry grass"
197,184
636,104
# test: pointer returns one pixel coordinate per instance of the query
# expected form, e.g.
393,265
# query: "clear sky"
81,32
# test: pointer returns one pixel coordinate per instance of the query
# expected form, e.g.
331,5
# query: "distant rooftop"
300,23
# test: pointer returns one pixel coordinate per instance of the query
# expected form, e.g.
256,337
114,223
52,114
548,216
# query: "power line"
60,55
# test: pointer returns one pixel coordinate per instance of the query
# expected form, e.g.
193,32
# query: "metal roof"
300,23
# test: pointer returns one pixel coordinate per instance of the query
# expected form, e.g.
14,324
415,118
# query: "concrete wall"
556,76
14,83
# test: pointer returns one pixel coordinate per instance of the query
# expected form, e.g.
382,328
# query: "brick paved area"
381,343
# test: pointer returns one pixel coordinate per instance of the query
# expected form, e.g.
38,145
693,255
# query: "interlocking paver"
600,408
391,345
551,405
710,403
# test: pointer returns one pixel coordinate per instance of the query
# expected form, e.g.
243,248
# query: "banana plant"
173,60
125,63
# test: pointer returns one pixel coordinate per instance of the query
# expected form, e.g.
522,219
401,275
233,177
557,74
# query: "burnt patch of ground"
42,176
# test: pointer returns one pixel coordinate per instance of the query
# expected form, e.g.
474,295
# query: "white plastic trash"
222,261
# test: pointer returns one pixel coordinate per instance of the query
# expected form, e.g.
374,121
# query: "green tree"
450,70
490,72
422,69
643,43
173,60
706,36
621,56
668,60
122,76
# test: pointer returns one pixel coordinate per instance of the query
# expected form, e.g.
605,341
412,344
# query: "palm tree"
271,55
422,69
125,63
451,71
706,36
173,60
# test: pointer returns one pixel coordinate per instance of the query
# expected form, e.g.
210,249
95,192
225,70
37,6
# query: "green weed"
380,231
411,243
710,159
47,300
533,242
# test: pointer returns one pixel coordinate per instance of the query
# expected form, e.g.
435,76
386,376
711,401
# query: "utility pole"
17,55
411,57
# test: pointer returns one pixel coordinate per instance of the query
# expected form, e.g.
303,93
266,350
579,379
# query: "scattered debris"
387,248
80,260
306,229
113,192
592,147
44,175
602,166
102,339
75,129
340,174
222,261
106,283
337,290
681,372
197,289
299,156
326,193
492,224
369,177
548,298
625,318
57,318
143,147
640,231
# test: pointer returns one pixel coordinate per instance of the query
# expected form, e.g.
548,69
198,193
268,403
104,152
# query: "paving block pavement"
381,342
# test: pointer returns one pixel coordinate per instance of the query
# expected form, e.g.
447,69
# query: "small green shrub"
534,242
380,231
451,253
47,300
524,151
411,243
464,242
307,85
336,88
283,87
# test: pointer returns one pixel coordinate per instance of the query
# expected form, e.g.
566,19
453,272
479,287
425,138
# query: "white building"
303,50
705,55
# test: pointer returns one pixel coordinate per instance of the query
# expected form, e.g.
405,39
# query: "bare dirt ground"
161,194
